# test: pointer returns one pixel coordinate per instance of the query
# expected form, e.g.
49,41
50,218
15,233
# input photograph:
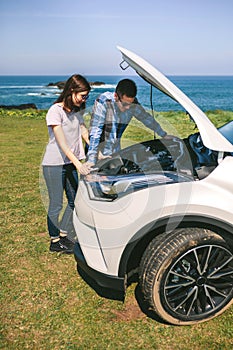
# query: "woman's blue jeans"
60,179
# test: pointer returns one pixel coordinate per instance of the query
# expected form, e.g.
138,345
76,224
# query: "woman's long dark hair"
76,83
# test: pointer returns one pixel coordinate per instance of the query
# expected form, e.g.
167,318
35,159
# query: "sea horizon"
208,92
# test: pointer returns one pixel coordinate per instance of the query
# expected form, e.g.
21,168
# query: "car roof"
211,137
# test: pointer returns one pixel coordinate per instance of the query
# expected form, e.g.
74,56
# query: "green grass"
44,302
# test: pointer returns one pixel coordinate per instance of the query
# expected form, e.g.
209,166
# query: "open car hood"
211,137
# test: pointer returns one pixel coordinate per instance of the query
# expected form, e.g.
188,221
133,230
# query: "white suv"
160,212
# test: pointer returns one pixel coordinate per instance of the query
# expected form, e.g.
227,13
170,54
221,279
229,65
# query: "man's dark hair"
126,87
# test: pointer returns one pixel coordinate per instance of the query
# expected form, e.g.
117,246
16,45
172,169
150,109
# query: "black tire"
187,276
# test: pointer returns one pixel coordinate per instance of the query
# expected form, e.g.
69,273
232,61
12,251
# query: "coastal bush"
24,114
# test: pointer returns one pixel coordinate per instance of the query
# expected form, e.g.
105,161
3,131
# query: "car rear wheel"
187,275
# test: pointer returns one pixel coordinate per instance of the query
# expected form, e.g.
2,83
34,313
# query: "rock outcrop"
61,84
21,106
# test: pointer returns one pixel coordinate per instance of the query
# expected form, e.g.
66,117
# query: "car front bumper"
102,283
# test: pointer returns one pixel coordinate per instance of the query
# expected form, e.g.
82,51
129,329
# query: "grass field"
44,302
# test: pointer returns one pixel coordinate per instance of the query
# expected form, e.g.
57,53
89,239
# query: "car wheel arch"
143,237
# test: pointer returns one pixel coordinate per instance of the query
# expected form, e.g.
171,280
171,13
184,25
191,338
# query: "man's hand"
169,137
101,156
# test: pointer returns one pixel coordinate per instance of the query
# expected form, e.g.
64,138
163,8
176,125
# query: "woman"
62,159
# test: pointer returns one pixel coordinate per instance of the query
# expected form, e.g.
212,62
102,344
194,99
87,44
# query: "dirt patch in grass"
130,312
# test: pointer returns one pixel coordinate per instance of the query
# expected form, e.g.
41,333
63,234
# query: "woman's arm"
85,133
61,140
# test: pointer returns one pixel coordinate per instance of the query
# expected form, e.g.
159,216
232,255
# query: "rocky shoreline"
59,84
21,106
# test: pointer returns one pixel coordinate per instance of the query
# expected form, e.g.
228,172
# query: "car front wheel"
187,275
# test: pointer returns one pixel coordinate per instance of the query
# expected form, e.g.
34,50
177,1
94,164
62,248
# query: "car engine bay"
158,155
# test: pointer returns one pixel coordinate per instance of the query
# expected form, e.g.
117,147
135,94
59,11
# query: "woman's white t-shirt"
70,123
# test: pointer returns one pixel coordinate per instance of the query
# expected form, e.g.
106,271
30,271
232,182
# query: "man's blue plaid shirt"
108,124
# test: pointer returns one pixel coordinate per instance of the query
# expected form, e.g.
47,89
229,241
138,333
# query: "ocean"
208,92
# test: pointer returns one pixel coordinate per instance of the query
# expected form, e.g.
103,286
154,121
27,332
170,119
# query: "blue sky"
179,37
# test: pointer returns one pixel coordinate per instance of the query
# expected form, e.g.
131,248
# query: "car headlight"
109,188
100,187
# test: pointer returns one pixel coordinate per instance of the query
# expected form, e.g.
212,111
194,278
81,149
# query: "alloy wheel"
199,282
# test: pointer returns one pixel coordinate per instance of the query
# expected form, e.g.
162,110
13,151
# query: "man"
111,114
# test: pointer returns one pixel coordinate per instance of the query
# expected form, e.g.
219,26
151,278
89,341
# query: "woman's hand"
84,168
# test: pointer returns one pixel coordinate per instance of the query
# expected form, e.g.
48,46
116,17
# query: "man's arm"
148,120
97,125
